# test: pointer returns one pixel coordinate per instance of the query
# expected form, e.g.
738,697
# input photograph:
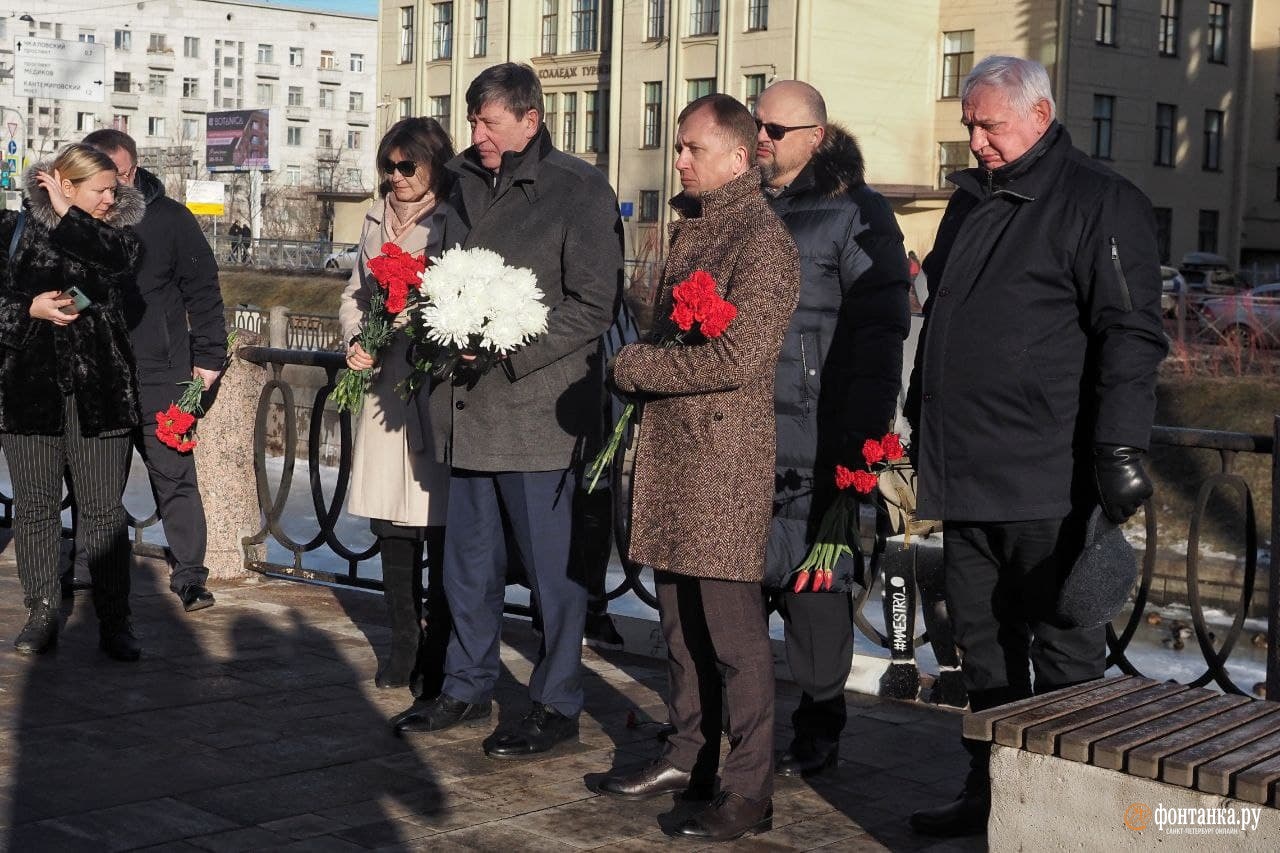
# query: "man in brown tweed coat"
703,480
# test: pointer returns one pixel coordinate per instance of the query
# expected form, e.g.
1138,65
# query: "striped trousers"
98,468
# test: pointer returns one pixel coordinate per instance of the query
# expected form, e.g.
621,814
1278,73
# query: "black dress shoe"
966,815
441,713
728,817
600,631
120,644
659,777
541,729
195,597
41,631
807,760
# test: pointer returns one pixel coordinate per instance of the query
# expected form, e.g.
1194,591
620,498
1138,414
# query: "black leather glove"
1122,484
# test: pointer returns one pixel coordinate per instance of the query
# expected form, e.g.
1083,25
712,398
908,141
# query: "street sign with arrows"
59,69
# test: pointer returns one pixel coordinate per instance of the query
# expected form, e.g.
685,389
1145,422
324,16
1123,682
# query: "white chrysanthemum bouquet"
472,303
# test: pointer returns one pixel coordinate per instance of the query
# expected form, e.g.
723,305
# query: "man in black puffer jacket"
178,333
837,382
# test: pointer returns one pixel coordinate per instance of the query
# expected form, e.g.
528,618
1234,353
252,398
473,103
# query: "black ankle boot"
402,592
41,631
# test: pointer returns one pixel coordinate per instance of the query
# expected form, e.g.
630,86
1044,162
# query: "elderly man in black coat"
837,381
514,436
1033,392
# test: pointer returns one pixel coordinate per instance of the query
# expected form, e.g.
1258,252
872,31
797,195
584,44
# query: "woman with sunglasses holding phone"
68,385
395,480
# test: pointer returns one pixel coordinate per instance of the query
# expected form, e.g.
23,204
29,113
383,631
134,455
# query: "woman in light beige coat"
395,480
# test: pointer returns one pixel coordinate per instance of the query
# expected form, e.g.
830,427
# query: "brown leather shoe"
659,777
728,817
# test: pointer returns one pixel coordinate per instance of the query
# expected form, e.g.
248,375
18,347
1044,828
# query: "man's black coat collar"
1026,178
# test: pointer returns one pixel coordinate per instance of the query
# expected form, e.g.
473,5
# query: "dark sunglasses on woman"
404,167
777,131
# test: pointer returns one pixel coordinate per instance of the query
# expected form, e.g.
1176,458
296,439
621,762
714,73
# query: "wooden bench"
1108,764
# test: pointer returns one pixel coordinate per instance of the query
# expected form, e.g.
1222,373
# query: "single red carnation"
864,482
844,477
892,445
682,314
717,318
872,451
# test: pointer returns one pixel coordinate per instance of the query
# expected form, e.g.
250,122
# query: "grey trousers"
98,468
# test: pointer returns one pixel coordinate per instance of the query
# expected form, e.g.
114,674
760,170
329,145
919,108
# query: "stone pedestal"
224,465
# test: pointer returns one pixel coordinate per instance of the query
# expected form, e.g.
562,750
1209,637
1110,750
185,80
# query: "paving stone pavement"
254,725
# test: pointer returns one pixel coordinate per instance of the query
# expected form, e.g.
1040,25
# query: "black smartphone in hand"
80,301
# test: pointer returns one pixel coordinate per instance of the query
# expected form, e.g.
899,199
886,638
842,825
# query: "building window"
582,26
570,121
652,115
328,60
648,205
952,157
156,44
1169,13
439,107
1218,23
324,138
85,121
295,57
295,96
1207,232
120,122
266,53
155,126
480,41
124,40
550,26
1164,231
357,62
1104,108
190,87
355,101
88,37
406,34
1212,140
292,135
704,17
293,176
655,19
1166,133
757,15
405,108
327,98
1104,31
595,123
190,129
353,140
122,82
156,84
700,87
752,88
957,61
266,95
442,31
549,120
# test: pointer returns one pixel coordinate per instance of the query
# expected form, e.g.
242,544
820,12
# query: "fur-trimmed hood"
128,209
837,165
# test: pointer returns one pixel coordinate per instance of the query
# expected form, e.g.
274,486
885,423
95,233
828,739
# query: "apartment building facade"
1160,90
171,62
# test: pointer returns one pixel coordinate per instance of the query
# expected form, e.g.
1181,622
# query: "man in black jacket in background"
178,332
1033,393
837,381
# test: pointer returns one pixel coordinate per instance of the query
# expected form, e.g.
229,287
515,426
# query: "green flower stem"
604,457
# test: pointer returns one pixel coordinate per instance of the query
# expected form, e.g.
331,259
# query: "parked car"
343,260
1172,283
1246,319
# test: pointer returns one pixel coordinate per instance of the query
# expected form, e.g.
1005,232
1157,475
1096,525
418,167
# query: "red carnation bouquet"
399,277
174,424
838,528
695,301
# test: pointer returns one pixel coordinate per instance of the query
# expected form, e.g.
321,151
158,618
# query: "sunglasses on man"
404,167
777,131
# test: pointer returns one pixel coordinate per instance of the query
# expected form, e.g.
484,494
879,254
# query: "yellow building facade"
1164,91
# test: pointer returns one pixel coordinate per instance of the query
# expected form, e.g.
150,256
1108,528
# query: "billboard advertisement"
236,141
